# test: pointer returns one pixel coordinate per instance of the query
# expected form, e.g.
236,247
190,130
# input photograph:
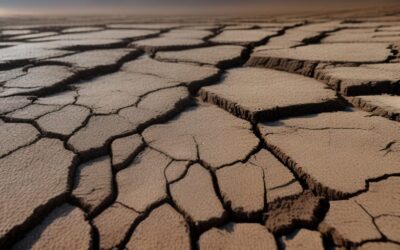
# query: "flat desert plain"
231,132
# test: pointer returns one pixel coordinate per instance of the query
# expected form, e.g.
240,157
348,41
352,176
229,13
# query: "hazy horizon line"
272,6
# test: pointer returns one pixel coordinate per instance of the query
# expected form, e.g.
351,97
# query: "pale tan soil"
218,132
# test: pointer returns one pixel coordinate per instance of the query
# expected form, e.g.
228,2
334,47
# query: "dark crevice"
309,182
152,50
39,213
97,152
328,243
104,204
394,51
375,110
31,120
80,75
163,153
288,164
261,145
130,158
225,64
184,173
74,50
123,43
128,207
383,238
279,242
265,208
95,244
136,222
143,96
197,148
192,229
197,230
372,219
352,246
318,38
20,147
17,233
229,214
284,185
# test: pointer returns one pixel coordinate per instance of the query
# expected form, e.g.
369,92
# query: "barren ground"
249,132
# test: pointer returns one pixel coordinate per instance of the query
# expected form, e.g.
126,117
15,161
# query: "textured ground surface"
273,132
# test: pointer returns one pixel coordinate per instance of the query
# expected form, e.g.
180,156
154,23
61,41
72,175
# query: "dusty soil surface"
245,132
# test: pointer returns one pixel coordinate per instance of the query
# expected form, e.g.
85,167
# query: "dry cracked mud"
246,132
366,79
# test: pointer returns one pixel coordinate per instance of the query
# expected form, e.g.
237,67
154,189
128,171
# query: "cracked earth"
277,132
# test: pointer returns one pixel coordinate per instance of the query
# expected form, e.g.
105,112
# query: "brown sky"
11,7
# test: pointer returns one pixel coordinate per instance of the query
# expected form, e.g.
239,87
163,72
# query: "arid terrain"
201,132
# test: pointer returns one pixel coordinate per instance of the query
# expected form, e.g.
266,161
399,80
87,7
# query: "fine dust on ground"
241,132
